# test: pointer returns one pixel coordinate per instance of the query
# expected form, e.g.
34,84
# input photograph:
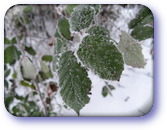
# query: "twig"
40,95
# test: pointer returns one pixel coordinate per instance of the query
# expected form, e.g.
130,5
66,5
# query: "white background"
154,120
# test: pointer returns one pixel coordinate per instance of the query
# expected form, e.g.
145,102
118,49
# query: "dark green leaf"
47,58
8,101
105,91
144,16
73,81
6,83
46,75
26,84
142,33
7,72
28,9
132,51
64,28
70,8
11,54
82,17
111,87
14,41
98,30
6,41
100,54
30,50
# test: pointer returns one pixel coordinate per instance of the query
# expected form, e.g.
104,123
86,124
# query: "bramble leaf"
100,54
70,8
132,51
98,30
60,44
82,17
142,33
143,17
64,28
73,81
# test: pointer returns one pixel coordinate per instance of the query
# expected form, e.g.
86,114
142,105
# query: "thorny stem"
40,95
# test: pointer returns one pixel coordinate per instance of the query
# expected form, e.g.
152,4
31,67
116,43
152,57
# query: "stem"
40,95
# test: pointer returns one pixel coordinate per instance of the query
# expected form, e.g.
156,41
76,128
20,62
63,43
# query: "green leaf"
82,17
28,9
47,58
143,17
28,70
64,28
132,51
73,81
100,54
104,91
46,75
142,33
60,44
44,67
8,101
11,54
26,84
6,83
98,30
14,75
7,72
70,8
30,50
6,41
13,41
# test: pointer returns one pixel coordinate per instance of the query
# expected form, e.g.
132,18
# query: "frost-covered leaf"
70,8
30,50
64,28
73,81
82,17
98,30
11,54
45,72
142,33
44,67
60,44
28,69
28,9
143,17
132,51
47,58
27,84
96,7
100,54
